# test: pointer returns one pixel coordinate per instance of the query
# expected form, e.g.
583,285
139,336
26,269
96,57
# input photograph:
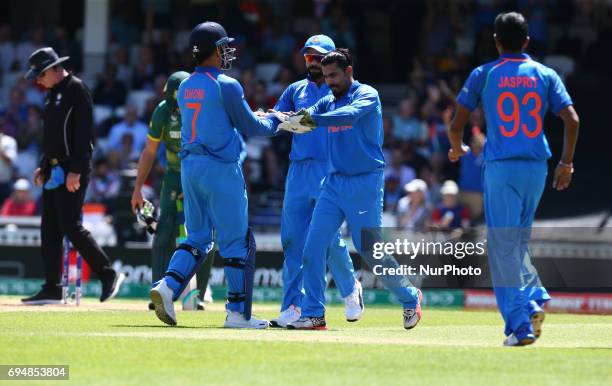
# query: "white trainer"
513,341
236,320
290,315
308,323
208,298
354,306
161,296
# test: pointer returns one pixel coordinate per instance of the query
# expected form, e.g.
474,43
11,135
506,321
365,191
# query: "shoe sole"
160,311
118,282
521,343
238,326
537,319
319,328
526,342
40,302
274,324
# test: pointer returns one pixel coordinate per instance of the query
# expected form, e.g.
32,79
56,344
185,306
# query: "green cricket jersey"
165,126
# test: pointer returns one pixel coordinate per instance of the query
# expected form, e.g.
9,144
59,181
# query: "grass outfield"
122,344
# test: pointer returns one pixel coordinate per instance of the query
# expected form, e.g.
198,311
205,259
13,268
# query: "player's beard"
315,73
338,89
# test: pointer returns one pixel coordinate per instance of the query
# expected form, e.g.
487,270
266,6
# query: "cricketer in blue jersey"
353,188
307,170
213,110
515,92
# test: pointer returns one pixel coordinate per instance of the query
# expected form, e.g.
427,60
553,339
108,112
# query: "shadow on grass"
157,326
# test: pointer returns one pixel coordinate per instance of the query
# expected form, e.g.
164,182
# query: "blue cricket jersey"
302,95
212,109
354,130
515,92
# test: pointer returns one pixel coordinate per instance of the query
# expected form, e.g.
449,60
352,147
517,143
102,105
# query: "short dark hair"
341,56
203,54
511,29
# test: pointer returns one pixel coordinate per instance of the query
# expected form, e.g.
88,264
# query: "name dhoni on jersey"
193,93
517,81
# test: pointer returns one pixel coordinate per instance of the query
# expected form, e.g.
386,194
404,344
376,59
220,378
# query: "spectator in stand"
130,125
122,64
15,113
438,137
104,185
470,176
434,185
283,79
123,157
411,157
8,154
20,203
29,142
389,142
406,125
149,107
414,210
30,133
450,214
26,47
110,91
7,50
261,99
277,44
143,75
397,166
393,192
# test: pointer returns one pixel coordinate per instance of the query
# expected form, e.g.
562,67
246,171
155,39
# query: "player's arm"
455,133
467,100
565,168
363,102
147,157
241,115
285,102
562,105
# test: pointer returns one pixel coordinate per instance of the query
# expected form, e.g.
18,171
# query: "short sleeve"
558,98
285,102
469,96
156,125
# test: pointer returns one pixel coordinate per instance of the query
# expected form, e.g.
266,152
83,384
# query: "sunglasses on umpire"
313,57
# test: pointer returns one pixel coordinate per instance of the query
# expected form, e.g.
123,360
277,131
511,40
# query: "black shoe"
111,281
151,306
44,296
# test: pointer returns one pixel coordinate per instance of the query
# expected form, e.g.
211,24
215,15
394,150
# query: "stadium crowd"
421,187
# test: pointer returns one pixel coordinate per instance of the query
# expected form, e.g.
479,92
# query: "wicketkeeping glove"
301,122
146,217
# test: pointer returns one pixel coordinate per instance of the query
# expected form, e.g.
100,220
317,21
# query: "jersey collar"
323,85
350,91
211,69
516,56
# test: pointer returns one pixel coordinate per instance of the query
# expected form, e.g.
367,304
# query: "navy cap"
41,60
205,37
321,43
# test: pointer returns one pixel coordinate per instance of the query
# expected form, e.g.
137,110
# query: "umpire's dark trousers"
61,215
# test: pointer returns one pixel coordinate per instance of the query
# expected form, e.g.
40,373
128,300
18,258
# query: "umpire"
68,138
